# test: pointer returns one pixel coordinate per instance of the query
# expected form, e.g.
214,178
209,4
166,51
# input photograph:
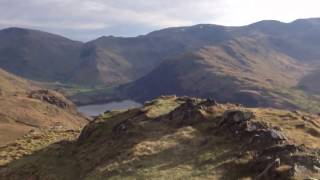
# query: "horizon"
84,20
118,36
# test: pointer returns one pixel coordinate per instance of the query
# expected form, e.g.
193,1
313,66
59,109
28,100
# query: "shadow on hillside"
55,159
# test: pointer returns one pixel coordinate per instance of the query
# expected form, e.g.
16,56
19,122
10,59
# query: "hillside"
38,55
310,82
243,70
181,137
106,60
12,84
268,63
119,60
25,107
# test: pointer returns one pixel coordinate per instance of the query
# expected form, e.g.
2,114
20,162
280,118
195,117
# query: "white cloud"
94,18
248,11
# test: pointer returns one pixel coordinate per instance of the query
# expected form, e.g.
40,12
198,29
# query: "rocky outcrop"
275,157
187,114
241,125
190,112
53,98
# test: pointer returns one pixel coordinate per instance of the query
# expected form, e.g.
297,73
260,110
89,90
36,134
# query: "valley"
193,102
266,64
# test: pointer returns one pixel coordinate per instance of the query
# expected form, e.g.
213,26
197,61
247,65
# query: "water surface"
97,109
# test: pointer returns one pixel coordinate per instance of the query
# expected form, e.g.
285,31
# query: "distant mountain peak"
310,21
15,30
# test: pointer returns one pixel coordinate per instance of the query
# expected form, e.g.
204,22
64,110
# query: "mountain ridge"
225,72
112,61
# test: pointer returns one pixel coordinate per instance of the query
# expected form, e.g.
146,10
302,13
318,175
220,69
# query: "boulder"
263,138
207,103
237,116
237,122
186,114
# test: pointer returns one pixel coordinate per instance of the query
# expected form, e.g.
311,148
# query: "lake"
97,109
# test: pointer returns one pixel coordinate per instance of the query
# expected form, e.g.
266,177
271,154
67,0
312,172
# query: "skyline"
86,20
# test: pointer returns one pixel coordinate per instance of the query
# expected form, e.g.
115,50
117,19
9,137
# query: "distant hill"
38,55
108,60
239,71
179,138
113,60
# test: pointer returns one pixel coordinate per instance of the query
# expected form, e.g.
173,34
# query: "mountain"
118,60
24,107
38,55
47,57
299,39
115,60
268,63
239,71
181,138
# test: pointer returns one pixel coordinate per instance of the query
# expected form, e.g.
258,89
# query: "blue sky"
88,19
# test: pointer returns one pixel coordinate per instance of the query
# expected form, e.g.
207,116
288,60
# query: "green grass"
161,106
302,128
71,89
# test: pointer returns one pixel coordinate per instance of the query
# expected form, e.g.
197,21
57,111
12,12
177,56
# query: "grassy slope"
153,148
19,113
10,83
33,141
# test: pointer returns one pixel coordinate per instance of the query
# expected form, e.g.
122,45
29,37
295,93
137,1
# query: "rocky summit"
180,138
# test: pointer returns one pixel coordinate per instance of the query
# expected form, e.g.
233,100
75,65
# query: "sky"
89,19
